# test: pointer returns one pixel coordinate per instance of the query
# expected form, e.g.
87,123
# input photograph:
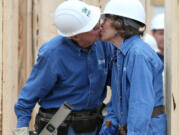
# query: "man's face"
159,36
85,40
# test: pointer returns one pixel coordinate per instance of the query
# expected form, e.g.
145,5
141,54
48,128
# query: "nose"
97,27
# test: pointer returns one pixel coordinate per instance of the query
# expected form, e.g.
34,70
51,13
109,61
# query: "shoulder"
140,49
52,47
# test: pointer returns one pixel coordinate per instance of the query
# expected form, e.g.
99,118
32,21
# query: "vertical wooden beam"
172,65
102,4
44,21
149,15
25,51
25,46
36,14
93,2
149,9
10,55
157,2
1,61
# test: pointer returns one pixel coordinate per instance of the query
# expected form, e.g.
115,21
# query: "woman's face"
108,32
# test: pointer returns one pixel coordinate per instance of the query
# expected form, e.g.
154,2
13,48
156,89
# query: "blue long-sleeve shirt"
137,88
65,72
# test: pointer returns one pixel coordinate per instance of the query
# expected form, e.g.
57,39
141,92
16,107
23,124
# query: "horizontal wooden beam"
157,2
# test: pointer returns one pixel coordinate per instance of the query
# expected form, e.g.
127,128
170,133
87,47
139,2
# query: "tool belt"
156,111
83,121
42,118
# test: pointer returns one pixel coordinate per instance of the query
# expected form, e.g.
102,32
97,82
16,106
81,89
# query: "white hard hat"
74,17
149,39
132,9
158,22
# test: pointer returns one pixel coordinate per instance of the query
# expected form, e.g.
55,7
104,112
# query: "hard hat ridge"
158,22
131,9
74,17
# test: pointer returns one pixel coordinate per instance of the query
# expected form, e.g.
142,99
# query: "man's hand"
21,131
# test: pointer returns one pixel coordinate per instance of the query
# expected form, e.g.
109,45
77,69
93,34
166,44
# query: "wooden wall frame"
157,2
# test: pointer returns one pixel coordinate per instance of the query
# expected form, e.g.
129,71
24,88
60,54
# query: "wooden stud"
93,2
10,58
102,4
25,48
45,28
149,9
172,65
25,51
1,62
157,2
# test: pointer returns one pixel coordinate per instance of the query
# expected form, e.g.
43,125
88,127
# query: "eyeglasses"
103,20
106,17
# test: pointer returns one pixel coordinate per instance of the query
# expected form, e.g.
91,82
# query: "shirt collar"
77,48
73,45
127,44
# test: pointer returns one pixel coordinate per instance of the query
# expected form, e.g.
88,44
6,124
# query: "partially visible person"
73,68
148,38
136,106
157,28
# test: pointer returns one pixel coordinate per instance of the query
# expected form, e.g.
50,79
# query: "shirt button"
91,92
79,53
124,69
90,75
121,113
121,97
118,65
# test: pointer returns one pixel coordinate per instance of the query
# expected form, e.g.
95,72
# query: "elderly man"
71,67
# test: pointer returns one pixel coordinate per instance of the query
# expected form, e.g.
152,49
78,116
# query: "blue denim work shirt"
137,88
65,72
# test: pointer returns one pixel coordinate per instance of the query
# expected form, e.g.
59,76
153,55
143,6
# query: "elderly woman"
136,106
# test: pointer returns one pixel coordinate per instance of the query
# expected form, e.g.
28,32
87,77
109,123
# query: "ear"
76,37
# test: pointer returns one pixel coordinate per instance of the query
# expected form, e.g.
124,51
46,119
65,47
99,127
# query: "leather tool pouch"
84,123
42,118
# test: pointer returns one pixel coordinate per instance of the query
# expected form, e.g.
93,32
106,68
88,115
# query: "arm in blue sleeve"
110,52
110,114
38,85
114,124
141,97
